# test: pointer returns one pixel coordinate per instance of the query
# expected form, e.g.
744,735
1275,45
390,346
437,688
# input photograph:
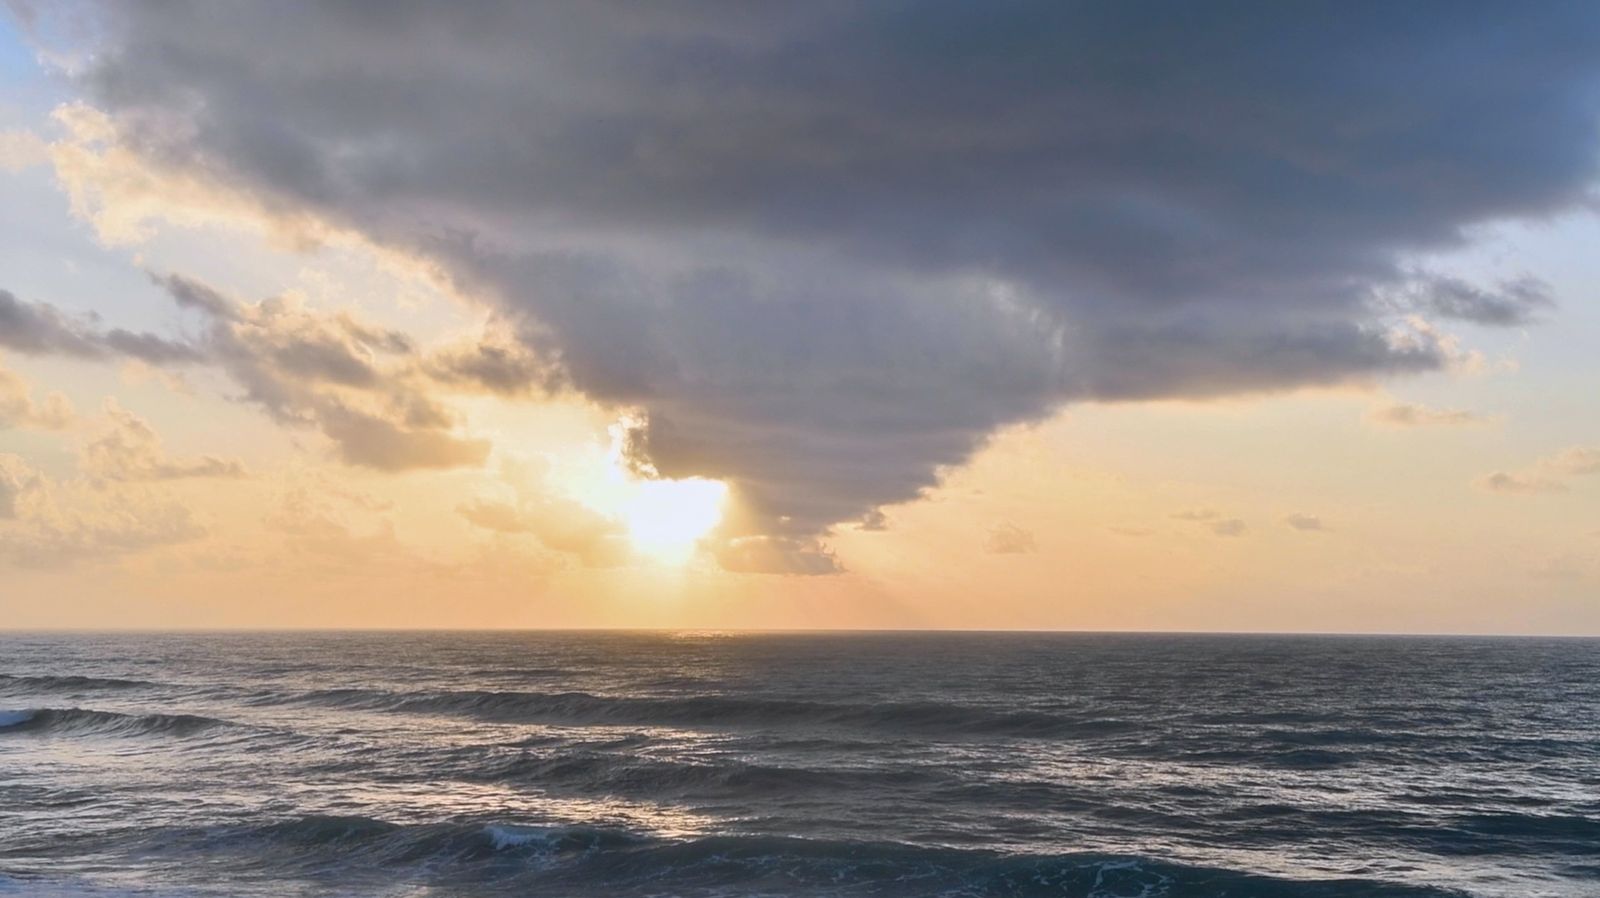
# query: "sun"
663,518
666,518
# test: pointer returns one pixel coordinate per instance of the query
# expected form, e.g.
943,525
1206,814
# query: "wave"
570,860
1311,749
605,773
48,683
1271,756
42,886
923,718
87,721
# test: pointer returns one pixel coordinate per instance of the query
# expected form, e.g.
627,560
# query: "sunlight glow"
666,518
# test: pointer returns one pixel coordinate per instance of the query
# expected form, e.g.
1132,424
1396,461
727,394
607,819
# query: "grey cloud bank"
37,329
830,248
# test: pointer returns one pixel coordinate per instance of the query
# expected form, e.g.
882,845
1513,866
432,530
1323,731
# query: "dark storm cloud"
831,247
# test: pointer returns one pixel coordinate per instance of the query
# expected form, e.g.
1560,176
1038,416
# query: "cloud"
873,521
1578,461
1009,539
1213,521
130,451
776,555
1551,474
559,523
1229,527
1305,522
69,524
377,442
120,530
501,517
105,514
1525,484
36,329
16,479
120,194
1405,414
18,408
829,249
321,539
494,367
1514,302
366,387
279,338
332,371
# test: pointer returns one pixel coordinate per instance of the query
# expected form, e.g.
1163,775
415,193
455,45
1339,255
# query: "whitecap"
508,835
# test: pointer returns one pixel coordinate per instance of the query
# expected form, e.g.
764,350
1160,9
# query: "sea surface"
705,764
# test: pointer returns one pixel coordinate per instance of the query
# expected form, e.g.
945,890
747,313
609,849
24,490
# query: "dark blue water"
798,765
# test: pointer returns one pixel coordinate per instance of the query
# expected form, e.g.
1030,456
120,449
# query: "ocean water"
634,764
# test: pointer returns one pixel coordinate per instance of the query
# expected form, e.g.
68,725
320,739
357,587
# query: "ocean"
711,764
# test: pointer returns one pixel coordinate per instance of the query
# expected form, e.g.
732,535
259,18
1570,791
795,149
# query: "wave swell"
49,683
950,720
86,721
570,860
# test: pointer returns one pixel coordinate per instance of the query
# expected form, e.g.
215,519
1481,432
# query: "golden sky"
388,396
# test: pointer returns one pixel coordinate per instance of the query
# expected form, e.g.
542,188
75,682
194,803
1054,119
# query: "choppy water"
840,765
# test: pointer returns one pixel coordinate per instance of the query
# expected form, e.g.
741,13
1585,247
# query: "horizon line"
797,631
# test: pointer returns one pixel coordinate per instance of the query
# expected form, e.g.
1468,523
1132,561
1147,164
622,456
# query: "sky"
1139,316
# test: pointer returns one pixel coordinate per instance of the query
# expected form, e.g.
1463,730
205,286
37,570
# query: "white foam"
505,835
